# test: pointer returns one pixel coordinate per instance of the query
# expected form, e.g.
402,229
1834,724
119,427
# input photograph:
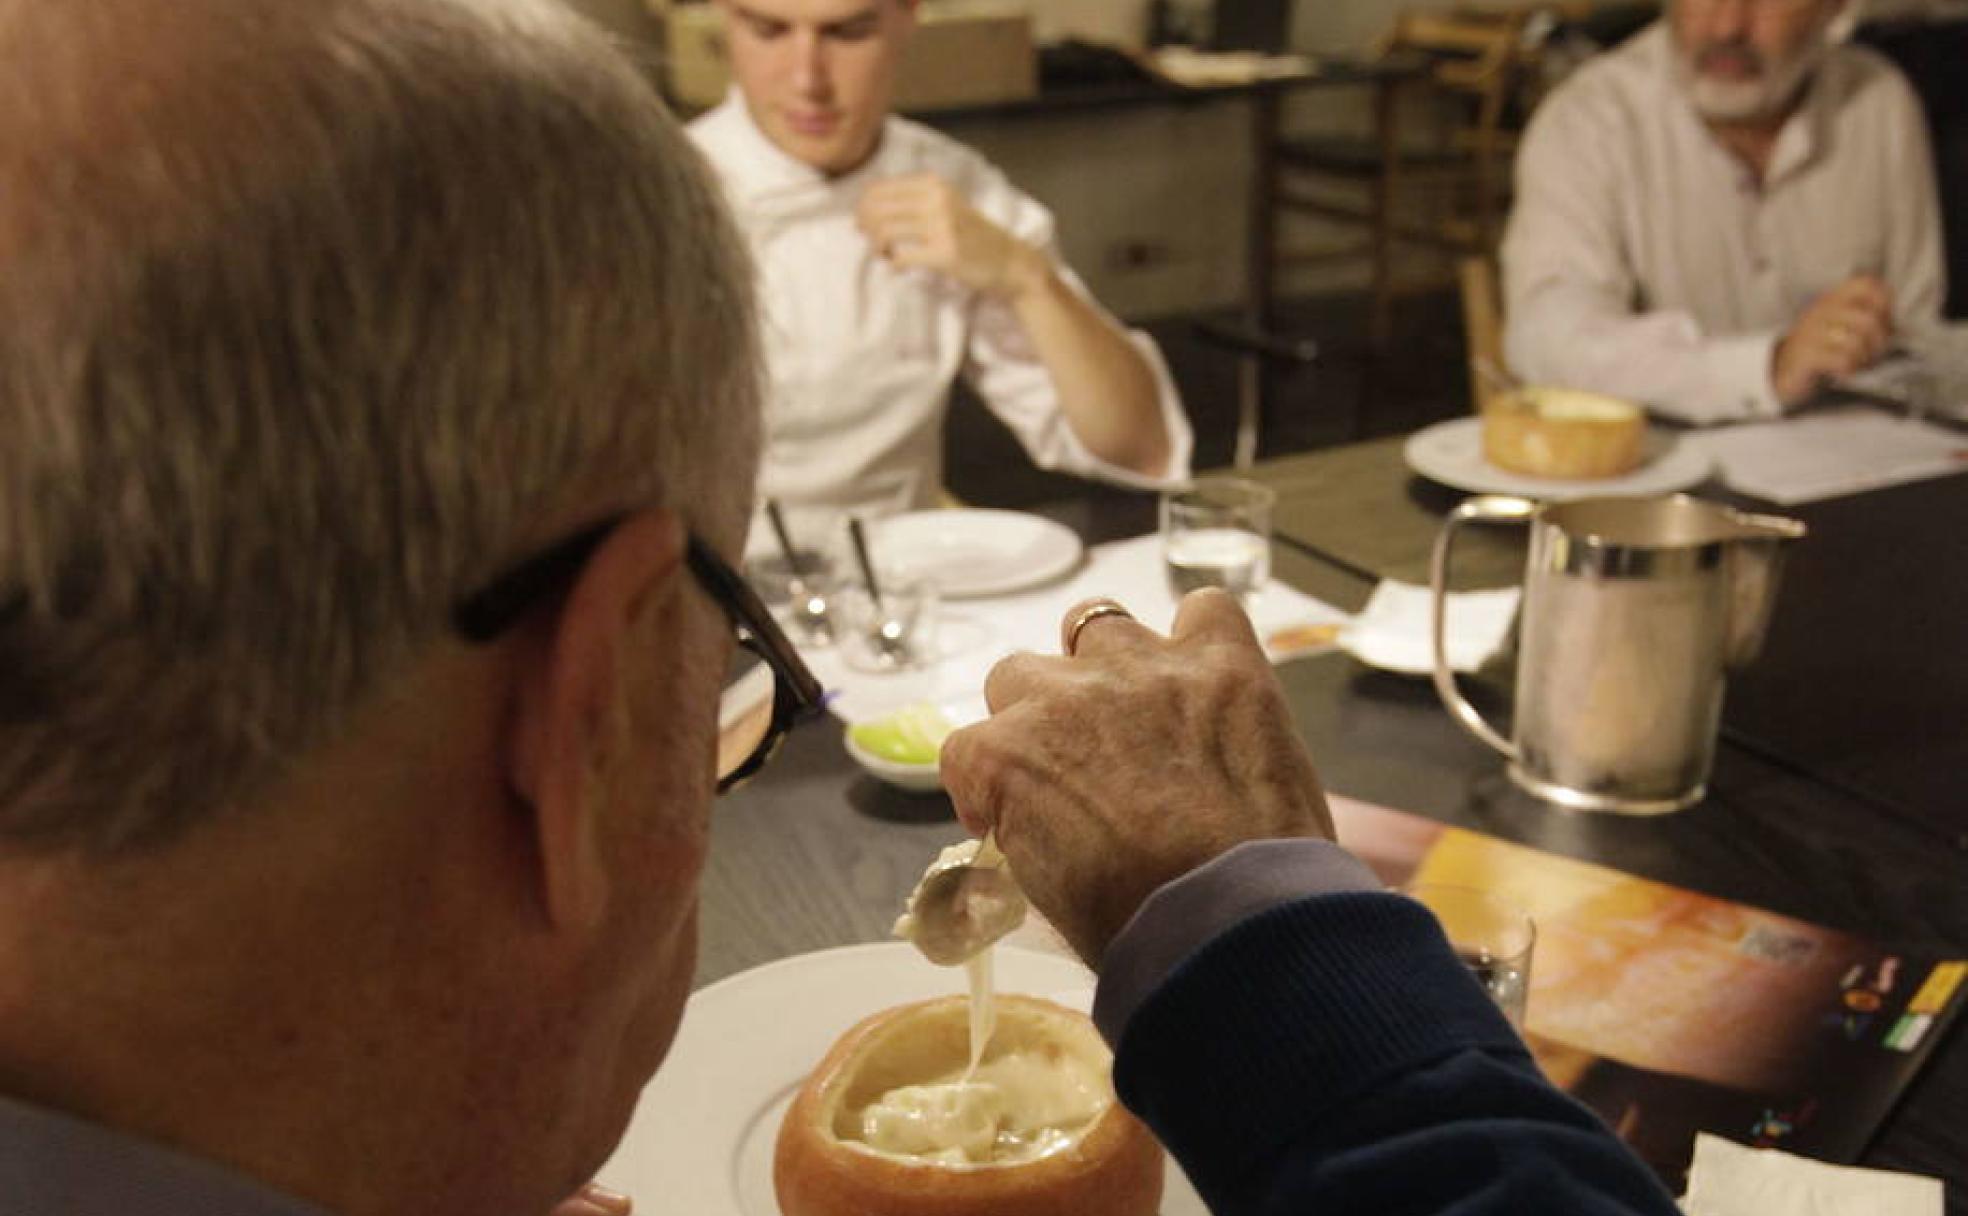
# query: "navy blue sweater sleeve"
1331,1055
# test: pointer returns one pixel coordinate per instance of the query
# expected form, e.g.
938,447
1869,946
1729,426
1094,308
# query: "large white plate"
1452,453
701,1141
969,553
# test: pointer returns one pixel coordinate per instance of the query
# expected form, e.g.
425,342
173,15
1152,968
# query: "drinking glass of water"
1492,936
1216,532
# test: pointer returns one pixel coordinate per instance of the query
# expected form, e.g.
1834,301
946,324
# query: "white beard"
1745,100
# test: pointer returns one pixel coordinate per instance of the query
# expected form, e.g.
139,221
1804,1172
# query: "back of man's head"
311,317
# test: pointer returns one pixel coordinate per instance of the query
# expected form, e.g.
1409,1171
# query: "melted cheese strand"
983,1009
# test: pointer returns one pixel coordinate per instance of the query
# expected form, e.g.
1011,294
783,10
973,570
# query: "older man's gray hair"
312,316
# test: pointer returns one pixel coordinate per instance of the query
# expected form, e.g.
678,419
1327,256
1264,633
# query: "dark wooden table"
816,854
1864,678
1835,797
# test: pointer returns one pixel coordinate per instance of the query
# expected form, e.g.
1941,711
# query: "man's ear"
564,723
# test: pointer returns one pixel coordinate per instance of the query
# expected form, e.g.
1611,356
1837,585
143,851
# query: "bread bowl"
1563,433
857,1139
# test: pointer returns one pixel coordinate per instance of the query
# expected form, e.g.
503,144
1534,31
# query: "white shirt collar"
757,171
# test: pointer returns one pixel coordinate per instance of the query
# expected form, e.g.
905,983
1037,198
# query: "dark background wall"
1934,56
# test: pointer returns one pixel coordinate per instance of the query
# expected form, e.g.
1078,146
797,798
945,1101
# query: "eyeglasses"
747,733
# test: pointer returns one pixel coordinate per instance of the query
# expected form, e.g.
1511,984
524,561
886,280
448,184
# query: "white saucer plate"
701,1141
1452,453
970,553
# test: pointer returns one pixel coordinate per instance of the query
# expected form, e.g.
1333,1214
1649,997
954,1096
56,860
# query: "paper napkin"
1392,631
1728,1179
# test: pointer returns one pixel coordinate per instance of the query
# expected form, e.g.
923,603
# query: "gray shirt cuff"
1187,912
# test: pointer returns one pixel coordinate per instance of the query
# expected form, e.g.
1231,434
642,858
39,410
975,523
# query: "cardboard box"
1115,23
962,54
697,72
968,55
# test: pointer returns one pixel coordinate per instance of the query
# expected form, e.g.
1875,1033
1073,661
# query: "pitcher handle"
1492,509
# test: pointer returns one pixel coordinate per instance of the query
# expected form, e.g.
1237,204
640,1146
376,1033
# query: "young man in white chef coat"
894,261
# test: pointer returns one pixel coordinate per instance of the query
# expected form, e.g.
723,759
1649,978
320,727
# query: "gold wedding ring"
1087,616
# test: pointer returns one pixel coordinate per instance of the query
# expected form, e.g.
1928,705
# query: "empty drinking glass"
895,632
803,601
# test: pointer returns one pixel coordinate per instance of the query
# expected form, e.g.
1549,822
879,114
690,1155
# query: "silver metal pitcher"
1634,608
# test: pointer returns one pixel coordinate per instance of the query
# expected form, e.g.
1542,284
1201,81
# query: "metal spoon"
887,634
812,614
966,901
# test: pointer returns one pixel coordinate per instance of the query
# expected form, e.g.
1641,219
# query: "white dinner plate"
701,1141
1452,453
969,553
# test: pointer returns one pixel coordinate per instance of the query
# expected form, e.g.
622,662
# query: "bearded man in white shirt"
894,261
1724,215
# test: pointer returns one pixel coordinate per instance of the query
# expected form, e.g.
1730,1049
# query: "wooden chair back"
1475,63
1471,53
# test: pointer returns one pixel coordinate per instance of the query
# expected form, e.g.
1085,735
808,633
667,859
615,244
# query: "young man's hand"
921,222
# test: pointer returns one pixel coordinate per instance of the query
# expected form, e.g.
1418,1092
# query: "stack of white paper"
1831,454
